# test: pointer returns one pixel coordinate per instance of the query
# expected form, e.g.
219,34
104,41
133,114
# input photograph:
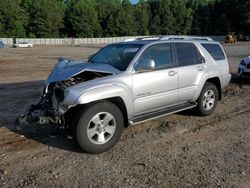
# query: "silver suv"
131,82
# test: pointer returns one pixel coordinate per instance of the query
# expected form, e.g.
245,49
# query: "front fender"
108,91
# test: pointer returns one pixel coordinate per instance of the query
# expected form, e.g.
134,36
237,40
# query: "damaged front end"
66,73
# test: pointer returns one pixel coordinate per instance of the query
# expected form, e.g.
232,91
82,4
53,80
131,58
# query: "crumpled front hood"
66,69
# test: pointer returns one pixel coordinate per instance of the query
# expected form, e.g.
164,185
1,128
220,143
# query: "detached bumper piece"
47,111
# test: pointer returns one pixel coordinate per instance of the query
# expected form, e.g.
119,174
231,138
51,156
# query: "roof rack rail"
149,38
143,38
184,37
130,39
170,37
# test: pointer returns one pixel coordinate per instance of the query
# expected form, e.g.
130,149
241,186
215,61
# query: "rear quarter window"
215,51
187,54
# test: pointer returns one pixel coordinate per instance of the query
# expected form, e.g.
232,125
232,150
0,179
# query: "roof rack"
149,38
142,38
171,37
184,37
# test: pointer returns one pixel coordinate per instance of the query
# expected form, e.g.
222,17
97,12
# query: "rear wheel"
99,127
208,99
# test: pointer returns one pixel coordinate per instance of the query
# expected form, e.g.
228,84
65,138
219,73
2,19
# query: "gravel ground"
180,150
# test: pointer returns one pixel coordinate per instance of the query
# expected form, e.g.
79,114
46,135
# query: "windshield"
116,55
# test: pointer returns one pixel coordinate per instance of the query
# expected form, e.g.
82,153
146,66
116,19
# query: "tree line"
105,18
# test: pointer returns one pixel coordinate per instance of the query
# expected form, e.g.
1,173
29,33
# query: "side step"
156,114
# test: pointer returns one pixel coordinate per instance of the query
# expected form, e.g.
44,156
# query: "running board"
156,114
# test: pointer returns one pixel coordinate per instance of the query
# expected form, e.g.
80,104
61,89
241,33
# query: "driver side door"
156,88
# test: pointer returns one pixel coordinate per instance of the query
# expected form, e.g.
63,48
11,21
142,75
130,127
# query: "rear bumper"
225,80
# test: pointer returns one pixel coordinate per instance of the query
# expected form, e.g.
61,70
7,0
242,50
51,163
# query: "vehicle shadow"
15,99
243,80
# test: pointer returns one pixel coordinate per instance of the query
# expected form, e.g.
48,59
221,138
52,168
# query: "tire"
99,127
239,73
207,100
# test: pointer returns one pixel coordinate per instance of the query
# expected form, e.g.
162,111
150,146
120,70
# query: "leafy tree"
123,22
46,18
142,16
95,18
244,7
81,18
162,20
199,15
13,19
106,10
182,16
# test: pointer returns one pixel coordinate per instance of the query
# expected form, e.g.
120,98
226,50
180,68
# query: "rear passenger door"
191,68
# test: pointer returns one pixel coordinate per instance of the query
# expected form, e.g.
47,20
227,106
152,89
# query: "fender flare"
107,92
202,83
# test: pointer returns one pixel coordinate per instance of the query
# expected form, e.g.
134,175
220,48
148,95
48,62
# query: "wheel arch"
118,101
214,80
217,83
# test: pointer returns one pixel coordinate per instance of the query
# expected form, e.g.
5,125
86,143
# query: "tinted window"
187,54
161,54
215,51
116,55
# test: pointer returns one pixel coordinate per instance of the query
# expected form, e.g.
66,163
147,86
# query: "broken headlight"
66,92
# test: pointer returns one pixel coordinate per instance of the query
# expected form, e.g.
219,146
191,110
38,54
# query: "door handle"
172,73
200,67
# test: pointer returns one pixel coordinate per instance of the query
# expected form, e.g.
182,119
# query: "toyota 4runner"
131,82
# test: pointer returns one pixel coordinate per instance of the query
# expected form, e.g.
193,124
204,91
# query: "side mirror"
203,60
145,65
91,56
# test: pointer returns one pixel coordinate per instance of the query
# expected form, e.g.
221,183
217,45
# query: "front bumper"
243,71
49,110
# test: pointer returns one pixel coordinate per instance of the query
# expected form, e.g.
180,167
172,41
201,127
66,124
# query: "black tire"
239,73
85,124
204,110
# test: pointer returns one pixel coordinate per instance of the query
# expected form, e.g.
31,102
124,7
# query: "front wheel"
99,127
208,99
239,72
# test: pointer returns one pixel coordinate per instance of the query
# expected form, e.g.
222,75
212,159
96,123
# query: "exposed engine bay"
50,109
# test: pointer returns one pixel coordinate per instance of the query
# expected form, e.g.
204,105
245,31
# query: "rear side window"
187,54
215,51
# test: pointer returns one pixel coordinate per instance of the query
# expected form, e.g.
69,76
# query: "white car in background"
244,67
23,45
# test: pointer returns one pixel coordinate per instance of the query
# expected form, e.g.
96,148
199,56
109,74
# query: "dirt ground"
180,150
